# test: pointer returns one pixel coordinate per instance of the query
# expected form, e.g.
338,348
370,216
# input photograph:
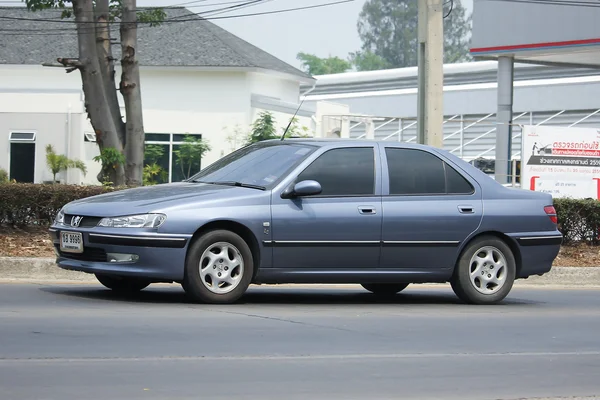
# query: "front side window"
262,164
343,172
417,172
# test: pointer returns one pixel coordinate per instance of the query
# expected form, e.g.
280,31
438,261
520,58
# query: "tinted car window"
456,183
343,172
261,164
417,172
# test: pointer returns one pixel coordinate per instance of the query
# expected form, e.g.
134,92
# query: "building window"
166,159
22,137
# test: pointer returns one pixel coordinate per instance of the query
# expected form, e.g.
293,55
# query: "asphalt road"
65,341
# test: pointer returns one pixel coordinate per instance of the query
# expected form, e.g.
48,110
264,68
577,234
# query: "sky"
325,31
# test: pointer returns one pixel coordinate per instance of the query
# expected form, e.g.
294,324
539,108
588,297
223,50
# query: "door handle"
466,209
367,210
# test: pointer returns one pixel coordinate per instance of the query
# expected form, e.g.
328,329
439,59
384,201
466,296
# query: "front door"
339,228
430,210
22,162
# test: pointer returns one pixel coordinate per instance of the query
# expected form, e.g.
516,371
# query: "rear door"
429,209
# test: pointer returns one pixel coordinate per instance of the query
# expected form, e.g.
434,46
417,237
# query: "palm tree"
59,162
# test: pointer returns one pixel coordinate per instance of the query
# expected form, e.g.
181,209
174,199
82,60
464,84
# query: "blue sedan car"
379,214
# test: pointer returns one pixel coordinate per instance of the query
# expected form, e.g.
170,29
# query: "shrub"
23,204
579,220
3,176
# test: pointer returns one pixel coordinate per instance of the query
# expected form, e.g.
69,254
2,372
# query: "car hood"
153,198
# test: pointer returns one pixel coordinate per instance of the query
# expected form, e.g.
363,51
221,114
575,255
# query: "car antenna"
292,119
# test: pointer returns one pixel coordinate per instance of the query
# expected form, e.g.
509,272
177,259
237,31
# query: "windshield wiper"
233,183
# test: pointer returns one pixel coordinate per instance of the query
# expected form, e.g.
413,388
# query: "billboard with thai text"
564,162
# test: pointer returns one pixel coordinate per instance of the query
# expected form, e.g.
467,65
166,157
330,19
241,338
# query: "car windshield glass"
261,164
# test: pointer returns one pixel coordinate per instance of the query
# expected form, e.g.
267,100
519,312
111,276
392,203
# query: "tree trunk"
96,102
107,65
130,89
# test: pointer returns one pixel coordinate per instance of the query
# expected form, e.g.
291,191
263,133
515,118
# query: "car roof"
343,142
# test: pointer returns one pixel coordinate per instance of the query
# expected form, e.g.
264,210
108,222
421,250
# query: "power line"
141,9
570,3
237,4
196,18
451,8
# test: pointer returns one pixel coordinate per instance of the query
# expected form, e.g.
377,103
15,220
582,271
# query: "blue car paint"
317,239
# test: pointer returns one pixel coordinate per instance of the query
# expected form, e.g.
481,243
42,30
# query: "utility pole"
430,109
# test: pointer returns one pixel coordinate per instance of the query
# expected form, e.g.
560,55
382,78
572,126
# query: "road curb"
16,269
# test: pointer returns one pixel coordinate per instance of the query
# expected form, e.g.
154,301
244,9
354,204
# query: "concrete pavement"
80,341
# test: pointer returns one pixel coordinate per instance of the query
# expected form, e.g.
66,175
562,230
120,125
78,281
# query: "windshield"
261,164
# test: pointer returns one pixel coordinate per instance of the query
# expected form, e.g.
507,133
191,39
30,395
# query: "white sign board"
564,162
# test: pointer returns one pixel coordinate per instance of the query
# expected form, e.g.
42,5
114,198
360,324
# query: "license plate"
71,242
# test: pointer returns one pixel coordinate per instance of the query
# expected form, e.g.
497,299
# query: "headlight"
60,217
134,221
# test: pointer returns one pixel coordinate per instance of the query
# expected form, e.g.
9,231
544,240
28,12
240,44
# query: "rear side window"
455,182
417,172
343,172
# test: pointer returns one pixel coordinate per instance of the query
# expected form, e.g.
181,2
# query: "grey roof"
42,36
454,74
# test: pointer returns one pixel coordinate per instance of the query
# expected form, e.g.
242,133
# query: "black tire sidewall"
193,282
461,282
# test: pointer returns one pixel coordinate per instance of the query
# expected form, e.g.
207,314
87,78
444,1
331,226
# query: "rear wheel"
385,289
123,284
219,268
485,272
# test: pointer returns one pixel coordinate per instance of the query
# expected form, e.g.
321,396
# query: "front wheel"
385,289
219,268
485,272
122,284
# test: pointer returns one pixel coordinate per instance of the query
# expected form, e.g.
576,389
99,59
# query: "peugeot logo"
76,220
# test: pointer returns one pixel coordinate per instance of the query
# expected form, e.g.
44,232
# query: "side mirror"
304,188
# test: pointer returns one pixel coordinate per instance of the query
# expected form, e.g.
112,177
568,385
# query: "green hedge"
578,220
36,204
23,204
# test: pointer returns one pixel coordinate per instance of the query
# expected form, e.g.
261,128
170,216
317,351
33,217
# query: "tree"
58,162
368,61
190,153
263,128
389,29
314,65
95,62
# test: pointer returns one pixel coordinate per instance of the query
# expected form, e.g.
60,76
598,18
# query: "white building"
196,78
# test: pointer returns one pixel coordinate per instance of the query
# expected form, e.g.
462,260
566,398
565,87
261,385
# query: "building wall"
543,95
281,88
174,101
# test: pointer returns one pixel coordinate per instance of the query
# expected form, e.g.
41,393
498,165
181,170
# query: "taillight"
551,211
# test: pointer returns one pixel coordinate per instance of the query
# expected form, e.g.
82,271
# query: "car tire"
385,289
122,284
222,257
485,271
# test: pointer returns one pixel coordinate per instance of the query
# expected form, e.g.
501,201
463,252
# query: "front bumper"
159,257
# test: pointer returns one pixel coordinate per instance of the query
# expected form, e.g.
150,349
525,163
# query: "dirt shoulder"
35,242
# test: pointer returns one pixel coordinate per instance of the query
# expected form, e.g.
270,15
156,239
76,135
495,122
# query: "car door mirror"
303,188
